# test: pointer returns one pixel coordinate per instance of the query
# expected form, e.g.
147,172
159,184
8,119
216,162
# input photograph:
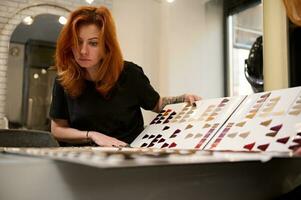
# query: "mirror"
172,42
29,80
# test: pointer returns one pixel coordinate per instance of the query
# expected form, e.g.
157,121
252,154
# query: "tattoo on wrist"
172,100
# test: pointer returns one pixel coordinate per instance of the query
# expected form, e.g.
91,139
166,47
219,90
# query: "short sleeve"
148,97
59,107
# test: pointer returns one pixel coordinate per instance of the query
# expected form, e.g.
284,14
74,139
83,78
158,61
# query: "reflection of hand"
191,98
105,141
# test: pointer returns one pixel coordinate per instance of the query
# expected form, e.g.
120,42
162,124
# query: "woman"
97,95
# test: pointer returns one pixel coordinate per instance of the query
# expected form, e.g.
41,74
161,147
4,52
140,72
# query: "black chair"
254,66
26,138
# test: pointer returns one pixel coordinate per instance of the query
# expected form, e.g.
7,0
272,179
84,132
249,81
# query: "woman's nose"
83,49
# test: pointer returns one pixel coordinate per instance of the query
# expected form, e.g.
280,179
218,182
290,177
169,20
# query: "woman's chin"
85,65
88,67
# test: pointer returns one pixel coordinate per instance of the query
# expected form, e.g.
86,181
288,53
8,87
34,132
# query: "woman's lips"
84,59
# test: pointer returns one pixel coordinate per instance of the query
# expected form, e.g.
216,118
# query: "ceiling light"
28,20
170,1
89,1
62,20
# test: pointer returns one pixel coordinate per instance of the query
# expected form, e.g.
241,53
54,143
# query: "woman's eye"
94,44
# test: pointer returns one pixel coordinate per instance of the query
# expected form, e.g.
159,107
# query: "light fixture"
89,1
28,20
170,1
62,20
43,71
36,76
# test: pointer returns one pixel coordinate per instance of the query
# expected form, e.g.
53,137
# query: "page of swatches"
184,126
268,121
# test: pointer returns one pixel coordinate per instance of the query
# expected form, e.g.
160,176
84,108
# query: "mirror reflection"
170,48
32,48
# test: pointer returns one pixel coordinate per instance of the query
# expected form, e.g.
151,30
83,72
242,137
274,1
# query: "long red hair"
71,75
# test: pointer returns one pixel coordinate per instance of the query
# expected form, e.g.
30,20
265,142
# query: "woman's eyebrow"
93,38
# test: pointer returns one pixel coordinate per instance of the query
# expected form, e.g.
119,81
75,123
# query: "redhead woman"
97,96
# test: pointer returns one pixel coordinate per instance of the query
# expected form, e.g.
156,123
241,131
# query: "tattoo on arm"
171,100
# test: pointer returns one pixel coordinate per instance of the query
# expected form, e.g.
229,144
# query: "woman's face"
91,50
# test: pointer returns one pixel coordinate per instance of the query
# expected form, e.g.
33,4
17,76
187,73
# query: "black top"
119,116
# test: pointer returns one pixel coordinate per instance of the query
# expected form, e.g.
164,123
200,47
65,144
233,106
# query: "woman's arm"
163,101
62,132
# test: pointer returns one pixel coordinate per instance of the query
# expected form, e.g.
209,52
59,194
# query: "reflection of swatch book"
268,121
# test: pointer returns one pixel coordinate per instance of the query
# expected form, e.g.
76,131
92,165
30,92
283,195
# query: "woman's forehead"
88,31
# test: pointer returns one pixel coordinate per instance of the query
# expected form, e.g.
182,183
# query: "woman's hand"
191,98
104,140
163,101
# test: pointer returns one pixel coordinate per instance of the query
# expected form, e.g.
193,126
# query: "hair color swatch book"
187,127
268,121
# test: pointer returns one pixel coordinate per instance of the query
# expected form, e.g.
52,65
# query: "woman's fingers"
113,142
191,99
118,143
107,141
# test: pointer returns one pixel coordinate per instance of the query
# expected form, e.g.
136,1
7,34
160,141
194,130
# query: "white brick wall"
12,13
